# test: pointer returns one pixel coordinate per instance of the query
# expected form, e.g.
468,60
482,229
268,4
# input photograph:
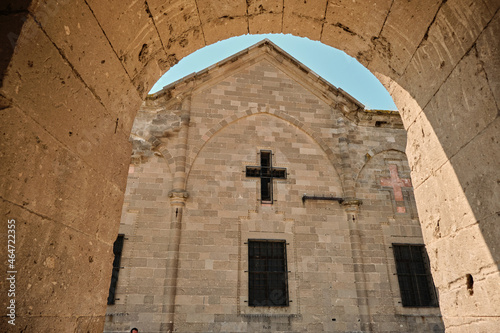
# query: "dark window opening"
266,172
414,277
265,158
266,189
267,273
117,251
253,172
279,173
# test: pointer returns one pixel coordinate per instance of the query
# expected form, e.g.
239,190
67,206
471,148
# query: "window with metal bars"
267,273
414,277
117,251
266,172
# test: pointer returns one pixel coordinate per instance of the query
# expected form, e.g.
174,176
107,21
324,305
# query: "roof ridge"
259,45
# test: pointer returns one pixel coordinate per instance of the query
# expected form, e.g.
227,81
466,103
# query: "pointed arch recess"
378,152
272,112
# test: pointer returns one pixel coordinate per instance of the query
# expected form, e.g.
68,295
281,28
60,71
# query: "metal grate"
266,172
117,251
267,273
415,280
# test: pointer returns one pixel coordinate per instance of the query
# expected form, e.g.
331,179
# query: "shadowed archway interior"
75,72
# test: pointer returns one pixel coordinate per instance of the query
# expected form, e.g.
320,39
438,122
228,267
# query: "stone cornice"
172,95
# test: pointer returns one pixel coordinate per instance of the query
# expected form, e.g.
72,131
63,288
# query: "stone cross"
396,183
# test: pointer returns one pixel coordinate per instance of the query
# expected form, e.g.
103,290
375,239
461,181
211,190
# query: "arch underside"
80,69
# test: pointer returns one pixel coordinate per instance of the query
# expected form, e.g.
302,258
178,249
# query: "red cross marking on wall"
396,183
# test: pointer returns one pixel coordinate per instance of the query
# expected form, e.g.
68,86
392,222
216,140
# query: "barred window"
117,251
266,172
414,277
267,273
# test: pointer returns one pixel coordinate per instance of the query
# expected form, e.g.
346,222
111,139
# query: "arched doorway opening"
80,70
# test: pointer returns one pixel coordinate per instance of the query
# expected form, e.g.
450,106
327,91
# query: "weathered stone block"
269,22
84,123
454,30
82,43
455,260
401,34
353,44
489,53
131,33
456,124
55,169
365,27
301,25
423,162
174,19
50,248
478,172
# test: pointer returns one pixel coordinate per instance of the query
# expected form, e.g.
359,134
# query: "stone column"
348,182
178,196
177,202
179,183
351,207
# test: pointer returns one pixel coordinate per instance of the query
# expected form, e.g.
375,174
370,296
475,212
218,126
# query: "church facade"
261,198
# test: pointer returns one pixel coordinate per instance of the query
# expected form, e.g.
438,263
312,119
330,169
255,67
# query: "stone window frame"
280,295
292,310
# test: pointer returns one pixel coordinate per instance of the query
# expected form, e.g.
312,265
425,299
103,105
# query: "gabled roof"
265,49
247,55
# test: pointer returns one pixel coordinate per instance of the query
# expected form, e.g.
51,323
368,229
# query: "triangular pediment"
281,60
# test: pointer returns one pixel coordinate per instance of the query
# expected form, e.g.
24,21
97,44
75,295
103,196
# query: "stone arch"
313,134
377,152
444,54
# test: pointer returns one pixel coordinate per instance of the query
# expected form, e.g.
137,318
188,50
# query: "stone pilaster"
177,202
351,207
178,196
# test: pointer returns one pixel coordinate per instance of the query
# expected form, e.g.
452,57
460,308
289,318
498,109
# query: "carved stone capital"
178,196
351,202
351,205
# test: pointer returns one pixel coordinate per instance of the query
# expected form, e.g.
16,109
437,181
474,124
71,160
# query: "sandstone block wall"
342,272
55,52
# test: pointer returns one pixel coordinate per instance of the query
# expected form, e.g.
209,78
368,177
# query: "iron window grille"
267,273
117,251
414,277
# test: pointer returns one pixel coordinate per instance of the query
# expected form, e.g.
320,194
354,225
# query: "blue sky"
331,64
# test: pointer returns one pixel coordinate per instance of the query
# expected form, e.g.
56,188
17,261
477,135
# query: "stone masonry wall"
341,267
140,289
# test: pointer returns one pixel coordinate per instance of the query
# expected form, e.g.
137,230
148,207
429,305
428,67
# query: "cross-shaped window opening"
266,172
